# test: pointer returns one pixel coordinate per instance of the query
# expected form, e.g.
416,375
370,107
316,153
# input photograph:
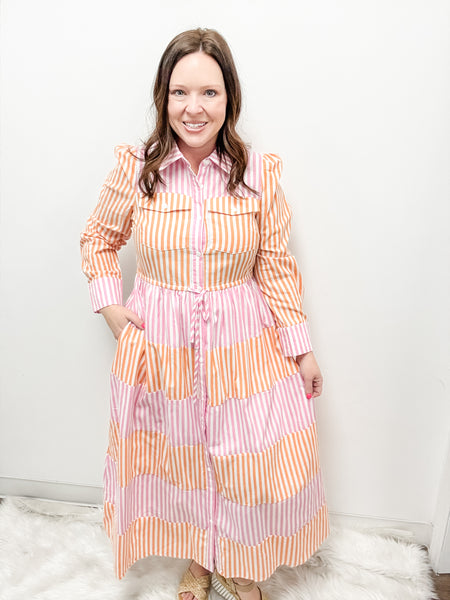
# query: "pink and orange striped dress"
213,451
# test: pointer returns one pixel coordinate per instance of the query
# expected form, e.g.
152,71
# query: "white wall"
354,96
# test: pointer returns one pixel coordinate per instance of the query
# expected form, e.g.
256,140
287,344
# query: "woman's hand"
118,316
310,372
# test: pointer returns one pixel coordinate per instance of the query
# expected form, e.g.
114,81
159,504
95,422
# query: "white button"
165,205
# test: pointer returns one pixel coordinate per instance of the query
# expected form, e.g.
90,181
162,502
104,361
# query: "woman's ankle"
196,567
245,585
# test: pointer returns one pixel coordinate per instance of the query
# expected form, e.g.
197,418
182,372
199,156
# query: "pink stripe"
252,524
105,291
237,313
109,480
150,496
136,410
269,416
295,339
126,401
213,180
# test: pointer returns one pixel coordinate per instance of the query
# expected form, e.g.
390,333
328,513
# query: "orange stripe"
272,475
114,436
153,536
145,452
276,270
231,371
109,226
160,368
260,561
236,230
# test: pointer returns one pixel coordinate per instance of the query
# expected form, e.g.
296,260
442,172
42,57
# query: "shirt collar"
175,154
224,162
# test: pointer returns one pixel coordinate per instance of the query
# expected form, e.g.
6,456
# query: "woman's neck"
194,155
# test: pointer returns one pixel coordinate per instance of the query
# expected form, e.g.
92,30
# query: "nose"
194,105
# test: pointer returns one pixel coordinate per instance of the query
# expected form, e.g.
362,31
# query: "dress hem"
313,533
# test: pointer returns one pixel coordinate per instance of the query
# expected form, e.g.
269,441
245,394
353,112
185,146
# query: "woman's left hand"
310,372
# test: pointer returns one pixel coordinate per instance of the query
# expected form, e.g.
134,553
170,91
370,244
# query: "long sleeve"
107,230
276,270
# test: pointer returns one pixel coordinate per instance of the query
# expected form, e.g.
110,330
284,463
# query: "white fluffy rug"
58,551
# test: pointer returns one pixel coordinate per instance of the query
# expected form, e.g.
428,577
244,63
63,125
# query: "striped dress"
213,451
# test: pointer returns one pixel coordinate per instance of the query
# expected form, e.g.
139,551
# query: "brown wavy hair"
161,141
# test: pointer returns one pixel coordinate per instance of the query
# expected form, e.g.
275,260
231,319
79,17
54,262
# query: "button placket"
196,271
201,315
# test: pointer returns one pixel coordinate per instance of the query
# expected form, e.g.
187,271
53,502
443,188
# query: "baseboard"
52,490
420,533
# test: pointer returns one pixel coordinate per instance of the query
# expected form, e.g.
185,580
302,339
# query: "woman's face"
197,103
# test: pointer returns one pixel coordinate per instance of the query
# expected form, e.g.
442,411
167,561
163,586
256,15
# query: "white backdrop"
354,96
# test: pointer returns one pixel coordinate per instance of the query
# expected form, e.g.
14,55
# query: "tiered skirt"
213,451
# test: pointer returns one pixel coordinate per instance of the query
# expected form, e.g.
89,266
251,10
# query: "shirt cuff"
105,291
295,339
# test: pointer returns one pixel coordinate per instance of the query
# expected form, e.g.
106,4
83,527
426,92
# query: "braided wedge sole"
229,589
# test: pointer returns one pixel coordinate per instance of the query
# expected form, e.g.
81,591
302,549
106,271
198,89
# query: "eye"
210,93
177,93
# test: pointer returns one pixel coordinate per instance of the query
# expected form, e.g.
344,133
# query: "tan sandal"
229,589
198,586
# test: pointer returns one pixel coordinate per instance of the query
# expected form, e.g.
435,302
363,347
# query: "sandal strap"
198,586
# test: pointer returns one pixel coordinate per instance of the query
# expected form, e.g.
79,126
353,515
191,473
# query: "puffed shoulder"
272,162
129,158
125,152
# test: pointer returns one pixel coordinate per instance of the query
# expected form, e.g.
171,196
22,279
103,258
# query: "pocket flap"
233,206
165,202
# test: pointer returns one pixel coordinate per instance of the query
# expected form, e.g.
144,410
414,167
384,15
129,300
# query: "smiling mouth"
194,126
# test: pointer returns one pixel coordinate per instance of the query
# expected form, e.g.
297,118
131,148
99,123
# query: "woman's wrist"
106,307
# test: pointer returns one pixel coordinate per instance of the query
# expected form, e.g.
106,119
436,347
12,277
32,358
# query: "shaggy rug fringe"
60,551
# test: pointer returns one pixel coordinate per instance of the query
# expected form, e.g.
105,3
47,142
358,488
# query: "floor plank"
442,583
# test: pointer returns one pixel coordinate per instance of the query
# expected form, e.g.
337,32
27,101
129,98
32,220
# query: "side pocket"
124,330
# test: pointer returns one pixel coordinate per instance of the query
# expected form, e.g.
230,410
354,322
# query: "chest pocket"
231,224
164,221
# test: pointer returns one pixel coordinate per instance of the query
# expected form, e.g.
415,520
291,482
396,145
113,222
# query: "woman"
213,448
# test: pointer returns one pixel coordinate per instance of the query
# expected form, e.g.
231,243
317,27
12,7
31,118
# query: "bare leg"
253,594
